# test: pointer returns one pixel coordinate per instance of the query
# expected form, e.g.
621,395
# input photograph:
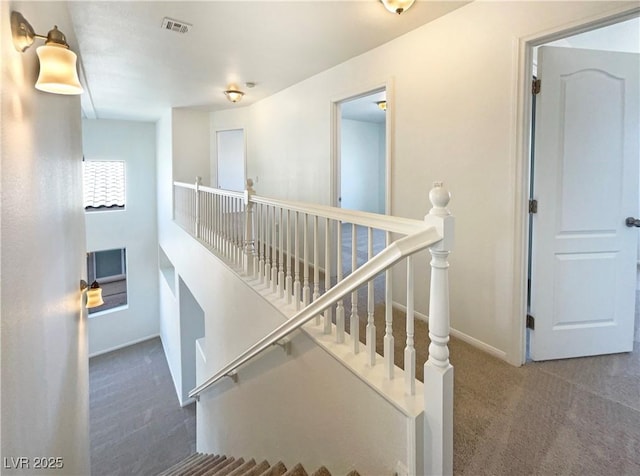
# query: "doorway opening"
613,36
230,169
362,151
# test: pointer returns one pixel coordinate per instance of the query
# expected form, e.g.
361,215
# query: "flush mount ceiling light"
397,6
382,105
58,73
233,95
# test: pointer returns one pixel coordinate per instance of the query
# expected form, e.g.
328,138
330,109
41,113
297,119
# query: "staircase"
199,464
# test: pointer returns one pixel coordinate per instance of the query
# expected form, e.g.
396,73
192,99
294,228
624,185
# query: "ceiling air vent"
175,25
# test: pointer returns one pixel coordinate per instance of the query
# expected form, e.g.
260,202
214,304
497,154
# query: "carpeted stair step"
297,470
276,470
321,471
244,468
258,470
185,463
199,464
205,465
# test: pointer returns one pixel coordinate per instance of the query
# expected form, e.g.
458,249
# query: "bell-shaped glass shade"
397,6
58,72
94,297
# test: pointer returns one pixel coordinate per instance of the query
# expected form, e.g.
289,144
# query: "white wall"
191,329
191,146
183,147
45,389
454,109
133,228
362,158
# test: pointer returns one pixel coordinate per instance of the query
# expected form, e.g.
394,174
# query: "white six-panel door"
584,257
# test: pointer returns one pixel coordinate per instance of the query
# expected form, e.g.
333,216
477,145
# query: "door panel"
586,183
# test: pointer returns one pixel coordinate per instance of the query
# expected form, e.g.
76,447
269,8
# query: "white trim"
122,346
522,122
459,335
489,349
214,152
187,402
334,165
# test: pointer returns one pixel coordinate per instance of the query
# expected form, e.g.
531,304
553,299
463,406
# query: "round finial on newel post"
250,186
439,197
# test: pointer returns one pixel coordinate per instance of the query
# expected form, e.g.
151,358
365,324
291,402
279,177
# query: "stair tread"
321,471
243,469
181,464
227,469
199,464
258,470
204,465
215,467
277,469
297,470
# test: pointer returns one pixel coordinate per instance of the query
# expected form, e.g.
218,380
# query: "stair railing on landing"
274,241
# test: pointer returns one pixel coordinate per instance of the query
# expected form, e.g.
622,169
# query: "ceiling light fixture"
233,95
397,6
58,73
382,105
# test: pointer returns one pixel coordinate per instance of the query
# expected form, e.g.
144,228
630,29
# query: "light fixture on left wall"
94,293
58,73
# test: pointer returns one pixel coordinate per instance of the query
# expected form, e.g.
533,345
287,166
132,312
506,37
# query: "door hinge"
535,86
531,322
533,206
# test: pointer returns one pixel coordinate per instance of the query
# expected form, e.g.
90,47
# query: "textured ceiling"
133,69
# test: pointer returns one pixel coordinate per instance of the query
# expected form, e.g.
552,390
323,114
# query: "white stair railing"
278,245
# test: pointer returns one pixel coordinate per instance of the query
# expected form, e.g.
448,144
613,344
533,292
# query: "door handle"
630,222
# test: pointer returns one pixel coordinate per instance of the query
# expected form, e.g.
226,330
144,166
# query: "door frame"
336,127
517,354
214,153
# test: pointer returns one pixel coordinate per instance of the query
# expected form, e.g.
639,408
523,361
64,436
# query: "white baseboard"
460,335
187,402
489,349
122,346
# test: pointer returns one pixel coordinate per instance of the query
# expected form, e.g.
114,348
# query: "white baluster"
438,372
296,262
306,290
289,281
267,267
389,343
261,250
409,350
354,320
371,327
249,236
340,304
197,207
281,232
327,273
316,265
274,251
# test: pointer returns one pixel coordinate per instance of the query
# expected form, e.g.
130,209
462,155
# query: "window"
109,268
104,185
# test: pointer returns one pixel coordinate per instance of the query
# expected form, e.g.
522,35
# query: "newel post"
249,238
197,207
438,372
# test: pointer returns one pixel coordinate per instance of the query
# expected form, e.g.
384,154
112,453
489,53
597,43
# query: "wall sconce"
233,95
397,6
382,105
58,73
94,293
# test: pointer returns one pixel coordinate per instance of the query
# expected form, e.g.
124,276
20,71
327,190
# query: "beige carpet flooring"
566,417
